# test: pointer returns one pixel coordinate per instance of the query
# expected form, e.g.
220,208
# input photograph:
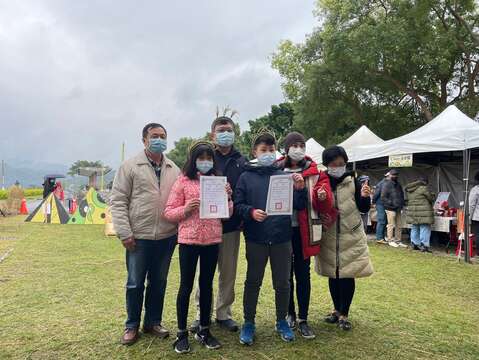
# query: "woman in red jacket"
305,228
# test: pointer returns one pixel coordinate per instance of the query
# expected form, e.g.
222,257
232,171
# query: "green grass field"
62,297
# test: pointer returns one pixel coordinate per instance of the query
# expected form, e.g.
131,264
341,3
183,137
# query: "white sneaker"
400,244
393,244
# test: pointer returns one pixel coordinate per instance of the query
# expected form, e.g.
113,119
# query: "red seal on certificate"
278,206
213,209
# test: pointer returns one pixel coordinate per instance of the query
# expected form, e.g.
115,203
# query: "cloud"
78,78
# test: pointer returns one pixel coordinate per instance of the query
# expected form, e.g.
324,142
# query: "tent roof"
451,130
314,150
362,136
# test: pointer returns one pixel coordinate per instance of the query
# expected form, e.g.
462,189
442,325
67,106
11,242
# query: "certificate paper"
280,195
213,197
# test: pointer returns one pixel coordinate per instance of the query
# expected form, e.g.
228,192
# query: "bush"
28,193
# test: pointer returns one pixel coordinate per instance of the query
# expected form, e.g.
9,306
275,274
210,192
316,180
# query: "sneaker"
130,336
291,319
415,247
284,331
426,249
247,333
229,325
345,324
205,338
332,318
400,244
393,244
381,242
181,344
195,326
305,330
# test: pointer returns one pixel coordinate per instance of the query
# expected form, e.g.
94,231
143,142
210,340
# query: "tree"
86,163
179,153
380,63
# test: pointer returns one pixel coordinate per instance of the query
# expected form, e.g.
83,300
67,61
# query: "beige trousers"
227,265
394,226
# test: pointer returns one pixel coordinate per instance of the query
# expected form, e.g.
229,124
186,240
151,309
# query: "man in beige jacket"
139,195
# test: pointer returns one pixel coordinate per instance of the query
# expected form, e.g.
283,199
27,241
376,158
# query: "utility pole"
123,151
3,175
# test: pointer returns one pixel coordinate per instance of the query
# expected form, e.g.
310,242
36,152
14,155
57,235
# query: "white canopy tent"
362,136
314,150
451,131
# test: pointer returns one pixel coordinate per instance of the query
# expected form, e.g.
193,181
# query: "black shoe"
195,327
181,344
205,338
426,249
345,324
332,318
415,247
305,330
229,325
291,320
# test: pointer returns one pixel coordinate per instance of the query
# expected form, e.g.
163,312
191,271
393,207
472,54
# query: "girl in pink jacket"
197,239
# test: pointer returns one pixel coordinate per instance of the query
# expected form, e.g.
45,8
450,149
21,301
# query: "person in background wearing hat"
420,213
392,197
304,247
267,237
229,163
380,212
198,241
138,199
340,199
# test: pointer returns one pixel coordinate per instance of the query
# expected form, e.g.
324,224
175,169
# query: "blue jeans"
381,225
421,234
150,260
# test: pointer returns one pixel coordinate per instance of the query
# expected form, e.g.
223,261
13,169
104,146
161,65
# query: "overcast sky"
79,77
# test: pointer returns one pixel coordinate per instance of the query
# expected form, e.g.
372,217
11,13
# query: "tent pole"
354,166
465,167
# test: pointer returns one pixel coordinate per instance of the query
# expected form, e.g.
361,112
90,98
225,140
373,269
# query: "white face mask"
337,172
296,153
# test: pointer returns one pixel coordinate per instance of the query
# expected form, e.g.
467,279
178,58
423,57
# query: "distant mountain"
31,174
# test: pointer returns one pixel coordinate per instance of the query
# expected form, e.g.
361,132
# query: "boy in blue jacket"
267,237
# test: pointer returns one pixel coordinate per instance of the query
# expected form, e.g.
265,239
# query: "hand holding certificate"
213,197
280,195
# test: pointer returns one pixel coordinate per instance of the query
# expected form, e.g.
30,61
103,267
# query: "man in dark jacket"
267,236
230,163
392,197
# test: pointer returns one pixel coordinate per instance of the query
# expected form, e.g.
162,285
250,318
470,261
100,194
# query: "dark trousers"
257,256
150,260
189,255
342,292
475,231
300,269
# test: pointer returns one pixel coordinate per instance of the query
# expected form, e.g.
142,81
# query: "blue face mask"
204,166
225,138
266,159
157,145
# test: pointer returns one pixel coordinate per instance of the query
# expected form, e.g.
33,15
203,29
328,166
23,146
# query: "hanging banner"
396,161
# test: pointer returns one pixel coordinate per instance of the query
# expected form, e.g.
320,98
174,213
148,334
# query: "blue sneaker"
247,333
284,331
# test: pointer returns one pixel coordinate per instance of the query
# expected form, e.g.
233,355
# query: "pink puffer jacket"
192,230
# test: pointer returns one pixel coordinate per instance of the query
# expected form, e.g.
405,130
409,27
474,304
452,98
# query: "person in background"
297,162
229,163
420,213
58,191
364,179
48,186
138,199
392,197
198,241
474,210
380,212
340,199
267,237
